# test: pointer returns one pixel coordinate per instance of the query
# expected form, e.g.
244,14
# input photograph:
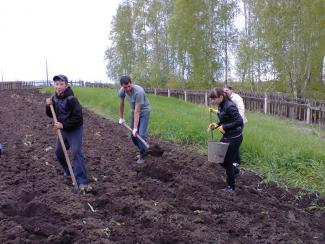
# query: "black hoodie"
68,110
230,119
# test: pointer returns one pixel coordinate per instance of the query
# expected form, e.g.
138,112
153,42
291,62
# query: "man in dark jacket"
70,122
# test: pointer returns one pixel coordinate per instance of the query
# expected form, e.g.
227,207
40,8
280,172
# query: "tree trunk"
321,73
226,53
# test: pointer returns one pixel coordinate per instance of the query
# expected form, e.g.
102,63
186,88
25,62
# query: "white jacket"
238,101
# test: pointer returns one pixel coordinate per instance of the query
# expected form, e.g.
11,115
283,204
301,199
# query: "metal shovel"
154,150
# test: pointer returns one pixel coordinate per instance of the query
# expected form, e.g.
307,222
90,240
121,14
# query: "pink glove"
121,121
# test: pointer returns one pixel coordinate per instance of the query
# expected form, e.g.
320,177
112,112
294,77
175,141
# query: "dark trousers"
73,139
232,153
237,159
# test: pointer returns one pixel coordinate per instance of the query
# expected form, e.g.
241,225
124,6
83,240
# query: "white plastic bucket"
217,151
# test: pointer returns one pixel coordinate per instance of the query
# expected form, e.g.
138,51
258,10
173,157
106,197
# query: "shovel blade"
154,150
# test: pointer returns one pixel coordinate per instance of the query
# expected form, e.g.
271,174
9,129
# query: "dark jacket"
230,119
67,109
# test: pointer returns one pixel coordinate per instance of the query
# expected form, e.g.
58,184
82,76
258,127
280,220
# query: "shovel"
154,150
64,149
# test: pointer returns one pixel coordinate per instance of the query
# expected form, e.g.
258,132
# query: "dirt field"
173,199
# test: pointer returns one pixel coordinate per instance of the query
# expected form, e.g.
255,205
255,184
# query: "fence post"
265,103
168,92
206,99
155,91
308,114
185,95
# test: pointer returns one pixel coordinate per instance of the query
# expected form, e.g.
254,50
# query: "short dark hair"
125,79
229,87
216,92
61,78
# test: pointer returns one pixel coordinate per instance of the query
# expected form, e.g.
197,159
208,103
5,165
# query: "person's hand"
121,121
221,129
58,125
48,101
135,132
212,110
213,126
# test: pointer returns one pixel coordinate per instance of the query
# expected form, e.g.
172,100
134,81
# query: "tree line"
198,41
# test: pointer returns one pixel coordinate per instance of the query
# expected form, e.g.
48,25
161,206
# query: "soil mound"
173,199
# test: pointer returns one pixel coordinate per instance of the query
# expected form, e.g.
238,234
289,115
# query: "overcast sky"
72,35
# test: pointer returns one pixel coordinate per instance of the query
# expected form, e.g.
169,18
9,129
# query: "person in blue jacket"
230,125
70,121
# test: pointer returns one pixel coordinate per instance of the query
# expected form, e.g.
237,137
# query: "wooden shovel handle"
210,123
64,148
138,136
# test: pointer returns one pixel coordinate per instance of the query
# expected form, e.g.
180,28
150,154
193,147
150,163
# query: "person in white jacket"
238,101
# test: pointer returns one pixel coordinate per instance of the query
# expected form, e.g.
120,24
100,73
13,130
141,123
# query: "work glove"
213,126
135,132
212,110
220,128
121,121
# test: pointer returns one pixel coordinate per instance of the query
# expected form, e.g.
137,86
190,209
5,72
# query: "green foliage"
227,32
139,41
155,39
189,43
187,34
279,150
120,54
292,31
315,90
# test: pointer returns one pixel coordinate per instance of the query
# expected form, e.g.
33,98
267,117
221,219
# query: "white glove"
121,121
135,132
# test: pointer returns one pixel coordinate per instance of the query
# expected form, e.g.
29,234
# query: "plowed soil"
174,199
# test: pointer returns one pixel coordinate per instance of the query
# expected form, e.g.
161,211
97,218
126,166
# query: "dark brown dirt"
173,199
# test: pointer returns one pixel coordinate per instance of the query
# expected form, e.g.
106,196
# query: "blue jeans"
142,130
73,139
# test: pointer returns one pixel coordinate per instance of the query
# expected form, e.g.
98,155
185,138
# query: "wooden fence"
307,111
14,85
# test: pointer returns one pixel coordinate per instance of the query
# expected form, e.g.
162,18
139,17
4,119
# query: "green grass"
285,152
279,150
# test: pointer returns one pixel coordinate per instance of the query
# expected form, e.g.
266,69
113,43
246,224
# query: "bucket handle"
211,123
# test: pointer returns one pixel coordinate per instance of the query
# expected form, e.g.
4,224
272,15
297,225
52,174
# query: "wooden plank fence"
304,110
14,85
308,111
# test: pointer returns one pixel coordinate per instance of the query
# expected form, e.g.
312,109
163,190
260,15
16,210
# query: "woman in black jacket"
230,125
